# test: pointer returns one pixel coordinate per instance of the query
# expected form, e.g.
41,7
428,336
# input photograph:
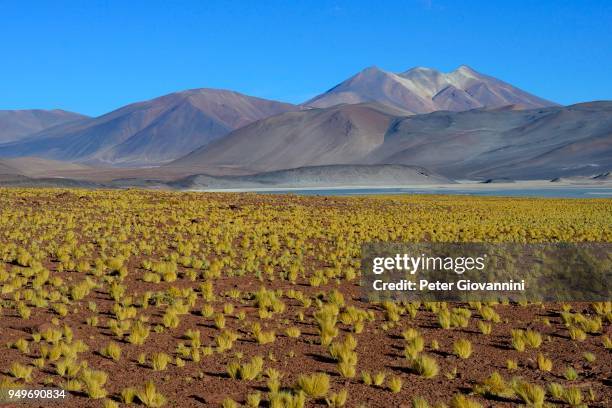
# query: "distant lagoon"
561,192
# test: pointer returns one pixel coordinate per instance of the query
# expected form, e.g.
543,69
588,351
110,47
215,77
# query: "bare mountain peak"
367,73
422,90
208,92
371,68
466,69
420,71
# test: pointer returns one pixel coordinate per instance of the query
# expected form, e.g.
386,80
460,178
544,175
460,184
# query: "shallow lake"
568,192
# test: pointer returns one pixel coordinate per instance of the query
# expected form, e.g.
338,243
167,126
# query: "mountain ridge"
476,144
149,132
18,124
422,90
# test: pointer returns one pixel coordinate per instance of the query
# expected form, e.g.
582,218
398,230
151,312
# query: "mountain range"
461,125
479,143
150,132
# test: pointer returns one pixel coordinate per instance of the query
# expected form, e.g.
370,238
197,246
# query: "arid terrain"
202,299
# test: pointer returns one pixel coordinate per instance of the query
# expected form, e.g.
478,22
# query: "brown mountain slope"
150,132
341,134
37,167
18,124
481,143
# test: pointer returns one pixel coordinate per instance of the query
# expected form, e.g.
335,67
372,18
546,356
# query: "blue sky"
94,56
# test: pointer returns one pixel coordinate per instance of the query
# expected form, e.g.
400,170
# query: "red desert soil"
206,383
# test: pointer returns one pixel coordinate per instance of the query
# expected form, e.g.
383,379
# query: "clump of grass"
22,345
225,340
68,367
556,390
591,394
51,335
531,394
511,364
573,396
314,385
366,377
248,371
159,361
112,350
110,404
420,402
94,381
229,403
149,396
228,309
207,310
139,333
219,321
337,400
170,320
589,357
518,342
462,348
425,366
544,363
461,401
346,369
444,318
379,378
72,385
262,337
287,400
570,374
522,339
452,374
61,309
344,353
395,384
274,377
410,333
293,332
128,394
39,363
326,317
485,328
460,317
489,314
194,338
21,371
253,400
576,333
414,345
495,386
24,311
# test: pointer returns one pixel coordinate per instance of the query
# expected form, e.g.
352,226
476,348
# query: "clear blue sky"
94,56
